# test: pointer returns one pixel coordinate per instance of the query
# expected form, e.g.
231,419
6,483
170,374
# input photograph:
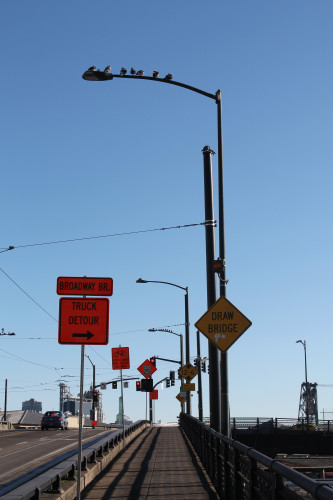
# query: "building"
32,405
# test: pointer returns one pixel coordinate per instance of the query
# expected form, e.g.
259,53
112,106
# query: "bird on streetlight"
155,74
140,73
123,71
168,77
107,69
133,71
92,68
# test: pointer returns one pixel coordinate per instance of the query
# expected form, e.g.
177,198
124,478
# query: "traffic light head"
168,382
138,385
114,385
172,375
153,361
95,396
173,381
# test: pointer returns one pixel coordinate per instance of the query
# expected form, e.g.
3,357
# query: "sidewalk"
160,464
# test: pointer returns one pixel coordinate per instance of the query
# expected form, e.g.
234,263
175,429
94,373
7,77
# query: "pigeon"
107,69
155,74
123,71
133,71
168,77
92,68
140,73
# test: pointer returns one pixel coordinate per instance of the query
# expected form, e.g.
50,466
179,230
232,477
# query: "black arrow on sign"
88,335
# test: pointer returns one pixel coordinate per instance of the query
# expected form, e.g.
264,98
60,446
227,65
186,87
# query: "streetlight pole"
180,335
187,328
306,382
93,402
96,75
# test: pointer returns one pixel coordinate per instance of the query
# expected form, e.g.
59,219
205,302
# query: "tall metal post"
213,352
200,412
94,405
187,342
5,409
79,455
225,411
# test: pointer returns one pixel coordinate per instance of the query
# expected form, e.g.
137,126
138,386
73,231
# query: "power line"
113,235
29,296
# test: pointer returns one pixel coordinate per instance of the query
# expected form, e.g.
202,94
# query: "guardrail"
239,472
279,423
52,476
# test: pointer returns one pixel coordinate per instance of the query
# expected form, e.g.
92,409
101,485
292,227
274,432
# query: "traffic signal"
114,385
203,366
147,385
153,361
95,396
167,382
172,377
138,385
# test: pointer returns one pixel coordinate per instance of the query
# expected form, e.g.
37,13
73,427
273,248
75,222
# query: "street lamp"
306,382
93,74
180,335
187,328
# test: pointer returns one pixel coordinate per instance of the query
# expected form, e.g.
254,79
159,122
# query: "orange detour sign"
83,321
223,324
120,358
84,286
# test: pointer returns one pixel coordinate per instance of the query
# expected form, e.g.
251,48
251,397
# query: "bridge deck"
160,464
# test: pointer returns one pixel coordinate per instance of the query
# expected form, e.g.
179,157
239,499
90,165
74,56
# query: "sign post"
120,361
83,321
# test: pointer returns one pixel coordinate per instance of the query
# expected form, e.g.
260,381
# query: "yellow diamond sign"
188,371
223,324
180,398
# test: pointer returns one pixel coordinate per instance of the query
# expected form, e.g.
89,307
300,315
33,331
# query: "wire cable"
213,222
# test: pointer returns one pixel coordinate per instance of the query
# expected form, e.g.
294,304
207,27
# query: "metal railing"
49,477
240,473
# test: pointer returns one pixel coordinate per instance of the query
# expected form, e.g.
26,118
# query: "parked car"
54,420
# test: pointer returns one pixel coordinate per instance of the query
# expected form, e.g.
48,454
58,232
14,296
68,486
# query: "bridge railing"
241,423
239,472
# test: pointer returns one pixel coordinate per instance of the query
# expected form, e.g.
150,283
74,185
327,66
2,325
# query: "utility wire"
33,300
212,222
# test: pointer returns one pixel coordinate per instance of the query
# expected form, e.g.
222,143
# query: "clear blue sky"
84,159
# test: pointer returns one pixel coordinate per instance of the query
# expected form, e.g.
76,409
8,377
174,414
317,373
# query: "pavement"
160,464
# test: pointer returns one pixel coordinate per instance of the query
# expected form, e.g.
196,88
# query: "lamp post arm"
100,76
170,360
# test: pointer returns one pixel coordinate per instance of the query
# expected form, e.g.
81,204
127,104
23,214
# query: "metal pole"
181,364
150,411
93,404
199,379
5,412
225,411
187,342
307,388
122,407
79,455
213,352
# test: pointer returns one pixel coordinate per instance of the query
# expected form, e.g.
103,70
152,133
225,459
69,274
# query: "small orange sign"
120,358
83,321
154,394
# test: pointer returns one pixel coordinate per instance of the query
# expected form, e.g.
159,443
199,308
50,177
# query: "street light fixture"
93,74
7,249
180,335
306,382
187,328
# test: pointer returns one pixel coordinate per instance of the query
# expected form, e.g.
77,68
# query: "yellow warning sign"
223,324
180,398
188,371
